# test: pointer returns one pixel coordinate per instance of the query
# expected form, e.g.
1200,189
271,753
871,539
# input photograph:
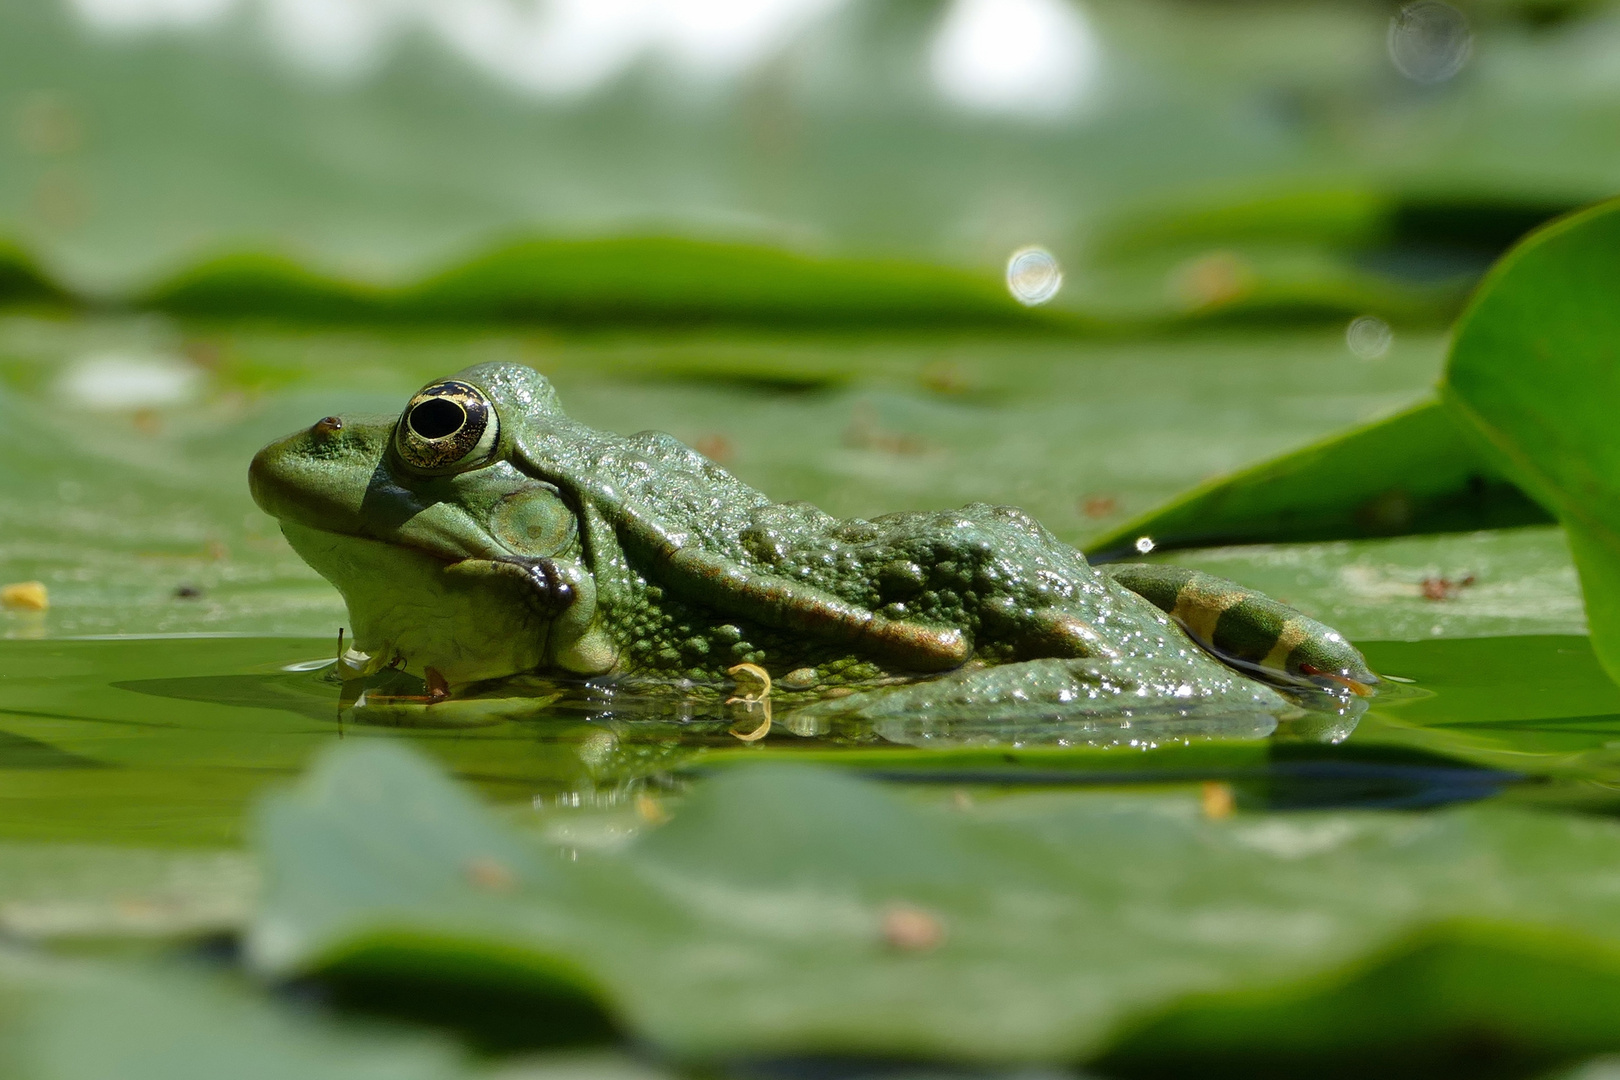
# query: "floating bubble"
1369,337
1033,275
1429,41
1144,544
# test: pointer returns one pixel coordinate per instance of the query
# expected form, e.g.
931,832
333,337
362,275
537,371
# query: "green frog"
483,535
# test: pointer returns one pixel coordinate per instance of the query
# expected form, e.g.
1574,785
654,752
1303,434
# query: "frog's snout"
317,476
265,480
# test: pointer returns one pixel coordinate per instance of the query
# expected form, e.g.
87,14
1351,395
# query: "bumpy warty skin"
649,503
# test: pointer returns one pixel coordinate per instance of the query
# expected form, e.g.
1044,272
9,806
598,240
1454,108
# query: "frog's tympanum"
484,534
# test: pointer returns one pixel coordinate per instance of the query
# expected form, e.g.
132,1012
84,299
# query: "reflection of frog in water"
484,534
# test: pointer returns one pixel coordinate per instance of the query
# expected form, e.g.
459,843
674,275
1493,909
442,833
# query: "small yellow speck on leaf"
1217,800
911,929
650,809
1213,280
490,874
25,596
138,907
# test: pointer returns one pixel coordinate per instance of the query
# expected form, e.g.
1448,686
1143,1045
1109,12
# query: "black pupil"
437,417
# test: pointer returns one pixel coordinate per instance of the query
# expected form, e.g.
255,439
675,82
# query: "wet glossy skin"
484,534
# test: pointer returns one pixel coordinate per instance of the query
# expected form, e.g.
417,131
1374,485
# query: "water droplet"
1033,275
1369,337
1144,544
1429,41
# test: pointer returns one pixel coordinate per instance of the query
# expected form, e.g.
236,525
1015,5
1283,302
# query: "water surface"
168,740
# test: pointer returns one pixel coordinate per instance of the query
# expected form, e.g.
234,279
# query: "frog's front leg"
563,593
546,585
1248,628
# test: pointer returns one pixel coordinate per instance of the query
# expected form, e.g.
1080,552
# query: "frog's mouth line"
295,493
546,588
314,545
444,558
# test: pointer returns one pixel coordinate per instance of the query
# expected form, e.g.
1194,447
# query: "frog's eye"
448,425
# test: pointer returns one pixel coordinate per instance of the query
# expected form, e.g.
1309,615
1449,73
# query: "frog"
482,535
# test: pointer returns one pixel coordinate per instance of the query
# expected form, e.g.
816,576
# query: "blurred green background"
383,140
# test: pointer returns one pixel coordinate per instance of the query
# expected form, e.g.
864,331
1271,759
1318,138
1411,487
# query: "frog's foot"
754,686
453,712
1249,629
436,690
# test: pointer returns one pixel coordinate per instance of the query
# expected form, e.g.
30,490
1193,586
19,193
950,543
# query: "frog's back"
927,589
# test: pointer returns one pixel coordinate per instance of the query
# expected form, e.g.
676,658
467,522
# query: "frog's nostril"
327,425
437,418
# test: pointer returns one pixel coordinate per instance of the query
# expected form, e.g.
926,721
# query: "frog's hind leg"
1248,628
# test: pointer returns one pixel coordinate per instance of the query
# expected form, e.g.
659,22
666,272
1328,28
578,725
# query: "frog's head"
447,554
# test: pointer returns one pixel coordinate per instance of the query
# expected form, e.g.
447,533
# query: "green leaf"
790,911
1412,472
669,280
1535,374
23,282
1499,582
1438,1004
55,891
74,1019
78,1020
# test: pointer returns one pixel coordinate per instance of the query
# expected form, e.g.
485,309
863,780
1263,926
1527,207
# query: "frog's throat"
463,619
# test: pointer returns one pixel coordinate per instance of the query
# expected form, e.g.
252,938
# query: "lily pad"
80,1020
793,911
56,891
155,1019
615,281
1499,582
1413,472
1533,374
